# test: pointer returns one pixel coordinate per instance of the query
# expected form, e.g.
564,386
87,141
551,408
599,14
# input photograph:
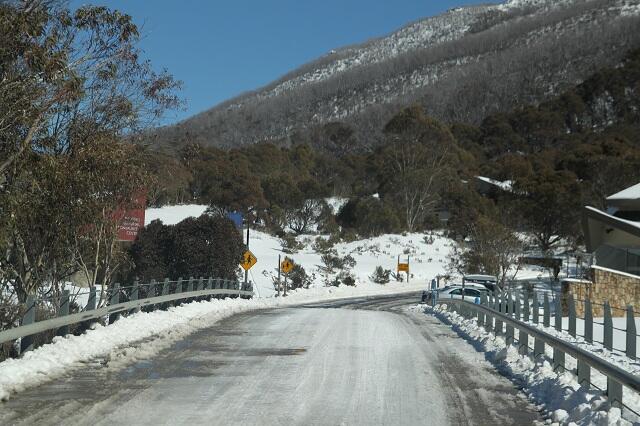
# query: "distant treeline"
572,150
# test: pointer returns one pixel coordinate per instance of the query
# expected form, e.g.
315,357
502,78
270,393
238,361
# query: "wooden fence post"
572,316
608,327
631,333
588,321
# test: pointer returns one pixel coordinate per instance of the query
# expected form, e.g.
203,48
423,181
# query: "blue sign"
236,218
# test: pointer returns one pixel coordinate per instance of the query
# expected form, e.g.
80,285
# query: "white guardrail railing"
156,294
503,315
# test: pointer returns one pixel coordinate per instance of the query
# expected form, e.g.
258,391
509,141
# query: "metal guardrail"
30,327
494,320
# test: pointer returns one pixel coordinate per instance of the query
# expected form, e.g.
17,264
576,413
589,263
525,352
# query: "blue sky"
220,49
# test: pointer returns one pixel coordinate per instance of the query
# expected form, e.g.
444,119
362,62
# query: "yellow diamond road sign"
248,260
286,265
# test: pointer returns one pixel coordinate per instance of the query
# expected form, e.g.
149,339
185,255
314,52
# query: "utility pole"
408,268
279,275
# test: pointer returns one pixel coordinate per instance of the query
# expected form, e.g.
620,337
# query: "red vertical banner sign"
131,221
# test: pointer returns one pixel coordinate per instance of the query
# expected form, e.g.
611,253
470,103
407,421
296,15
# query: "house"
613,236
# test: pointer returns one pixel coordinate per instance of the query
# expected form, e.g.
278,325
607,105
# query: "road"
358,361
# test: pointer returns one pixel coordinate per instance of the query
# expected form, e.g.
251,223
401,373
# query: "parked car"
471,291
488,281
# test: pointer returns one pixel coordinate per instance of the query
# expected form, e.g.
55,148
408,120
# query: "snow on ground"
336,203
116,343
427,259
559,394
170,215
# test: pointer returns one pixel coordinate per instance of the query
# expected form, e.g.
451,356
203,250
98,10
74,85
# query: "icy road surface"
357,361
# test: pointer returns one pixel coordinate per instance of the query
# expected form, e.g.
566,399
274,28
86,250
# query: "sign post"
246,271
279,271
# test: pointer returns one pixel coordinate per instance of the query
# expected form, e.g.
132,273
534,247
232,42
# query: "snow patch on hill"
171,215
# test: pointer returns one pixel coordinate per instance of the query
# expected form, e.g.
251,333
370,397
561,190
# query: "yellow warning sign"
287,265
248,260
403,267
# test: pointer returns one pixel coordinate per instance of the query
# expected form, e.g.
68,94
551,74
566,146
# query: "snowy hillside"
427,254
462,65
428,258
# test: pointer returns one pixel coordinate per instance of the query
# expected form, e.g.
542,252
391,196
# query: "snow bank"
119,343
559,394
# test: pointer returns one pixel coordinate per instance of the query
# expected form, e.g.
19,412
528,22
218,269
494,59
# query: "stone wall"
618,288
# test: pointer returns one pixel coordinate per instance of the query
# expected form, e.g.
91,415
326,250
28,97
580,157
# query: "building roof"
597,224
507,185
629,197
631,193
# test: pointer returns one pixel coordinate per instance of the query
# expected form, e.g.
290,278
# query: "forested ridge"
574,149
460,67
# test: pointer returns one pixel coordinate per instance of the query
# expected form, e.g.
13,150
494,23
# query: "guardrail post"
135,294
483,299
525,306
557,318
538,347
546,319
536,309
517,310
166,285
91,303
572,316
614,393
558,359
558,355
29,317
114,300
523,314
63,310
210,286
200,284
608,327
584,373
500,308
588,321
152,292
178,290
510,308
631,333
190,287
488,319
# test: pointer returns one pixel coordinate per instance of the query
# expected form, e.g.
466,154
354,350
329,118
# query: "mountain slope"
461,66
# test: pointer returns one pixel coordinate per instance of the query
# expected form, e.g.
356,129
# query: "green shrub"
347,279
290,244
380,275
298,277
196,247
368,216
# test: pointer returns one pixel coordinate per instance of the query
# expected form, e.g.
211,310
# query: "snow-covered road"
361,361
